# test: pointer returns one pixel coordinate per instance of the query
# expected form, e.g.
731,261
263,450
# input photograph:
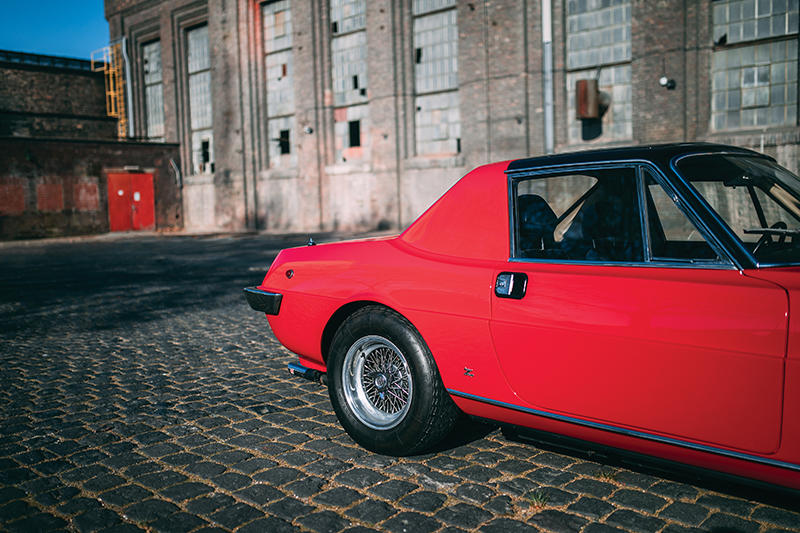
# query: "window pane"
672,235
591,216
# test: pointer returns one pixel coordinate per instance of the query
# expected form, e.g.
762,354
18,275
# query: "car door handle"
511,285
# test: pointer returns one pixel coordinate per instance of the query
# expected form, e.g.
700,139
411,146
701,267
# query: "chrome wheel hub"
377,382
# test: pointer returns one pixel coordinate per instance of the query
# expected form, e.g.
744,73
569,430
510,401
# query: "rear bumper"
264,301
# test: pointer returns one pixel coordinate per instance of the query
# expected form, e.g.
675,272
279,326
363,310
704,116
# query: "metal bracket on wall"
177,171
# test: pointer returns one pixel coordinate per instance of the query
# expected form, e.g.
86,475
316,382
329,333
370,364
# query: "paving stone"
601,528
478,473
254,465
96,520
500,505
591,507
463,515
56,497
324,522
179,523
205,469
675,491
686,513
727,505
289,508
16,509
371,511
186,491
125,495
159,480
475,493
517,486
209,504
423,501
327,467
635,479
550,476
636,499
103,482
260,493
150,510
553,460
779,517
726,522
554,497
359,478
37,522
437,481
269,524
338,497
236,515
632,521
506,525
558,521
393,489
410,521
232,481
444,462
306,487
591,487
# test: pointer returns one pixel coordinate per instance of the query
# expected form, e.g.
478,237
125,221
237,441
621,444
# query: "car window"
588,216
672,236
757,199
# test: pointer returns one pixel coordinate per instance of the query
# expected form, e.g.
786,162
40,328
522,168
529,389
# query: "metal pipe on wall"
128,94
547,75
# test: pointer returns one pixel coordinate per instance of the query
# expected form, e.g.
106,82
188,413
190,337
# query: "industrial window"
599,41
348,15
437,115
153,91
279,68
200,114
754,64
350,68
349,76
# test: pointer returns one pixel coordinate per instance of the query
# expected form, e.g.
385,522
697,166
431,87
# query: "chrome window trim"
652,264
629,432
638,165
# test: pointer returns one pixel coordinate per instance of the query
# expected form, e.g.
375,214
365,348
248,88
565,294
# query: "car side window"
591,215
672,236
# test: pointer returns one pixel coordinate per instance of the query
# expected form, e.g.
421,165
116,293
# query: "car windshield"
758,199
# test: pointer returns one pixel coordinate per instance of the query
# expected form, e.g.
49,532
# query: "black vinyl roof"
660,154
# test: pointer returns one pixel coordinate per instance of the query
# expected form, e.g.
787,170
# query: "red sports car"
643,298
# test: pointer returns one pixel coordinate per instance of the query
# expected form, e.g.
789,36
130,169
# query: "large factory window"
754,64
279,67
437,116
153,91
349,76
598,36
200,115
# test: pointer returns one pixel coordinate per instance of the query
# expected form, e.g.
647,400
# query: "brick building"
59,152
309,114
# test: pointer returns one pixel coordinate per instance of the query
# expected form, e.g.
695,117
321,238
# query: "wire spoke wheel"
377,382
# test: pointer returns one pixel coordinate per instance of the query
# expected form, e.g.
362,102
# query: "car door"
626,317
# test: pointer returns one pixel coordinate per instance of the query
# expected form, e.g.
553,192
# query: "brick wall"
395,174
44,101
58,187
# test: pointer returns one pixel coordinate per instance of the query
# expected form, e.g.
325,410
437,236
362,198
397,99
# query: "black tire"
392,400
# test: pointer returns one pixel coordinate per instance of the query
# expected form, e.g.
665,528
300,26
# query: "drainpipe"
128,96
547,75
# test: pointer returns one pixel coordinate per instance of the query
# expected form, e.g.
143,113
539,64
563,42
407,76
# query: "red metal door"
131,202
143,202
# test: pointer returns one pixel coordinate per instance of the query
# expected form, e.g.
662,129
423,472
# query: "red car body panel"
706,363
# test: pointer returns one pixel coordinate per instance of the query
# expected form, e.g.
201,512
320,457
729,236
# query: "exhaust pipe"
310,374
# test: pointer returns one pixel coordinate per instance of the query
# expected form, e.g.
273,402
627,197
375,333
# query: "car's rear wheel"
384,384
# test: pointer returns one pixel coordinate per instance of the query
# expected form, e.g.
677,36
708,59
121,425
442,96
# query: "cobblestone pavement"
140,393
